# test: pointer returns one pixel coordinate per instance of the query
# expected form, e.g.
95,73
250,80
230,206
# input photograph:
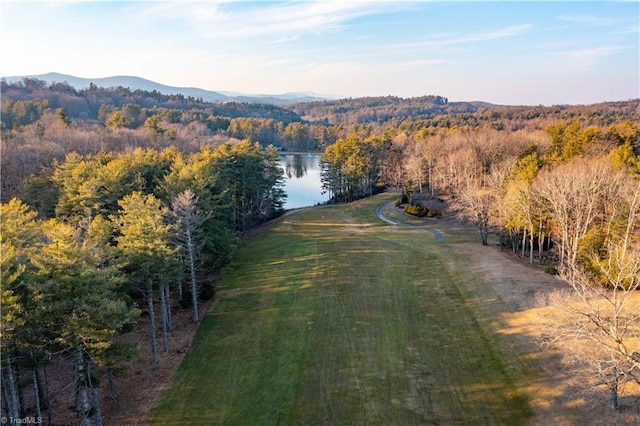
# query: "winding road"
381,216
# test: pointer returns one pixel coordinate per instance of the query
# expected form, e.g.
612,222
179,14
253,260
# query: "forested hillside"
437,111
118,203
41,123
23,102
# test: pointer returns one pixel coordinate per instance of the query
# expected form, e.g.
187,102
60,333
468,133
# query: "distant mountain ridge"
133,83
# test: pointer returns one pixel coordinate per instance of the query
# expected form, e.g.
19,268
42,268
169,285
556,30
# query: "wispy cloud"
585,58
631,29
596,21
451,39
282,21
383,67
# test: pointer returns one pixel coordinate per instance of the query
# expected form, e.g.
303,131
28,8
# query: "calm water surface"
302,184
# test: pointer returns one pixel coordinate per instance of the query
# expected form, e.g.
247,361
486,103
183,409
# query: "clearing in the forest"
336,317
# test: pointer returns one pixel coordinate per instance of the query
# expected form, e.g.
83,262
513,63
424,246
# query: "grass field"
334,317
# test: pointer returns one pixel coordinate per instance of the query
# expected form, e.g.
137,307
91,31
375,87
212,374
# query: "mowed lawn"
334,317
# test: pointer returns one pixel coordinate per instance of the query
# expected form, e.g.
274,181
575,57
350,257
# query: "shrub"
398,202
416,210
410,209
551,269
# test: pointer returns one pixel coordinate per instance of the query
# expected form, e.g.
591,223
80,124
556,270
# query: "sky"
513,53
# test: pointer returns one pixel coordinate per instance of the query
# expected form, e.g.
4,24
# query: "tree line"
414,113
40,123
101,239
36,95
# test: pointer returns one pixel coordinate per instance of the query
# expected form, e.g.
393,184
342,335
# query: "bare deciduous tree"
477,193
523,212
603,329
576,193
189,222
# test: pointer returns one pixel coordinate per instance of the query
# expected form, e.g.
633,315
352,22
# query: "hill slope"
134,83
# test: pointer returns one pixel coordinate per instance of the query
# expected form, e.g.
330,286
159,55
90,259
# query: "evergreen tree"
63,116
273,192
147,253
254,181
351,166
116,120
200,174
20,327
77,289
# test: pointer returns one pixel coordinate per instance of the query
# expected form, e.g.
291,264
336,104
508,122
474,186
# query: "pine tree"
77,288
116,120
200,174
20,328
147,252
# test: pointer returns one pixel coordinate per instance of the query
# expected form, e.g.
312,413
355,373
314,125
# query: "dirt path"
381,216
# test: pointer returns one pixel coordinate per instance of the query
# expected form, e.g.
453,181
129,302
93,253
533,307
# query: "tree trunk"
531,242
112,389
169,315
152,323
19,389
5,402
95,392
163,309
484,234
96,405
615,403
43,401
76,391
14,400
82,386
192,272
36,392
540,244
430,179
46,387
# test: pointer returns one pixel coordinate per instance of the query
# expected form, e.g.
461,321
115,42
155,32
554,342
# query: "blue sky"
542,52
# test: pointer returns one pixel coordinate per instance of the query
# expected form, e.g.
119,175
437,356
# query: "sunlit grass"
334,317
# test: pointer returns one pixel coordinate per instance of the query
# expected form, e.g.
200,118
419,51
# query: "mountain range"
134,83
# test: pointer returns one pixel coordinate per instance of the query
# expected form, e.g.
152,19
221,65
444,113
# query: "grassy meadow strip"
335,318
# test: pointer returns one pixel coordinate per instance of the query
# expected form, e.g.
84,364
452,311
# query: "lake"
302,180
